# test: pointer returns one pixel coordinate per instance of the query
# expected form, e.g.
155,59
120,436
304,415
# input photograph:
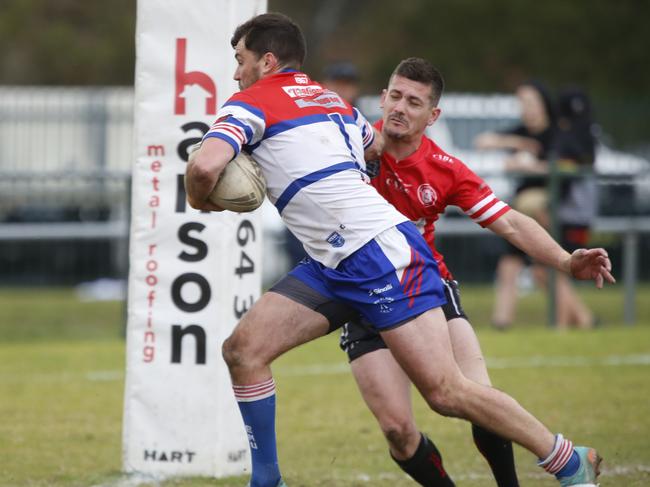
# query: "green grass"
61,391
38,315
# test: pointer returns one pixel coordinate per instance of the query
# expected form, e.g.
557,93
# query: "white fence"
66,129
71,148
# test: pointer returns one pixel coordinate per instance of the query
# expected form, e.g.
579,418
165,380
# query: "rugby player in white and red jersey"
310,146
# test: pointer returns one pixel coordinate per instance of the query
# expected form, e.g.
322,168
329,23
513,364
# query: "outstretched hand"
593,264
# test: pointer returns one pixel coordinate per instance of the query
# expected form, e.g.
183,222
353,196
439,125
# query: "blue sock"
571,466
257,406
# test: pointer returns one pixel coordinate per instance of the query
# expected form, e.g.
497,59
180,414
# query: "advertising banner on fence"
192,274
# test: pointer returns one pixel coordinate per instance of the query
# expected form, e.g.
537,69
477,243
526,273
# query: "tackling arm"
526,234
203,170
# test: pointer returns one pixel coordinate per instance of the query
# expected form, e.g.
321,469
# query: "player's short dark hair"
422,71
275,33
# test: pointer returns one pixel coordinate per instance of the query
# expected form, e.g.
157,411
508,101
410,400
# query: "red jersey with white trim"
425,183
309,144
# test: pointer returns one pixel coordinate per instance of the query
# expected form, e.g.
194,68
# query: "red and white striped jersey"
309,144
425,183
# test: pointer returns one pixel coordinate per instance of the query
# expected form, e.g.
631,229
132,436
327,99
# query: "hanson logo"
204,84
172,456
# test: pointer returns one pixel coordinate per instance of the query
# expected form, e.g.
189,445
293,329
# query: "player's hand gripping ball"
241,186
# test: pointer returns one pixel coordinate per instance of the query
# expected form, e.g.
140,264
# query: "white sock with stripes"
559,457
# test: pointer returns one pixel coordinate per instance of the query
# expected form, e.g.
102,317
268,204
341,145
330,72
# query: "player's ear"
435,114
384,92
269,62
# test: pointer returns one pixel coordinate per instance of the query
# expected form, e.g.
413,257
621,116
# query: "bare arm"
203,170
526,234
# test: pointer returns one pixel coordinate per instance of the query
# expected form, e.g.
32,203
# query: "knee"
238,352
443,403
446,399
401,435
231,352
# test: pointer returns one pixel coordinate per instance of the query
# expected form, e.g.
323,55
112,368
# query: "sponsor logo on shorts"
380,290
382,301
335,239
384,304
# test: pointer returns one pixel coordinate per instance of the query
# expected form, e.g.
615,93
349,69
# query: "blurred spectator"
575,149
528,145
566,131
343,78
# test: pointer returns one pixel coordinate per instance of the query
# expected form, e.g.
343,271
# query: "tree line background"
479,45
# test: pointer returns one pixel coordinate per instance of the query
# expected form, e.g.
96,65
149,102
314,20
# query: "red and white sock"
254,392
559,457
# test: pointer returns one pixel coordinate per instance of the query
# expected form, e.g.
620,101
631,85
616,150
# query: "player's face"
407,108
249,66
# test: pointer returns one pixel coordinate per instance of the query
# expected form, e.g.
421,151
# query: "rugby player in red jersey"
421,180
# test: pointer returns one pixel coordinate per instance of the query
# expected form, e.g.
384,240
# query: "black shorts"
359,338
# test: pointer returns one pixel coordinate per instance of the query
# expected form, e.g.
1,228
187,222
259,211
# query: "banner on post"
192,274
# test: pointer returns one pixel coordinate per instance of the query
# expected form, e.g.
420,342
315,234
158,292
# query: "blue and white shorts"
389,281
359,338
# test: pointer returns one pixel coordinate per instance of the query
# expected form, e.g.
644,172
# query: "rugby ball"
241,186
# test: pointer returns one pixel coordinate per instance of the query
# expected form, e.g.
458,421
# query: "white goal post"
192,274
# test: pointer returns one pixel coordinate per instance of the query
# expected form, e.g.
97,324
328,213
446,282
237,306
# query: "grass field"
61,386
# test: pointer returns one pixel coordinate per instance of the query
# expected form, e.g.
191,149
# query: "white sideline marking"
616,471
539,361
534,362
135,480
493,363
104,375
